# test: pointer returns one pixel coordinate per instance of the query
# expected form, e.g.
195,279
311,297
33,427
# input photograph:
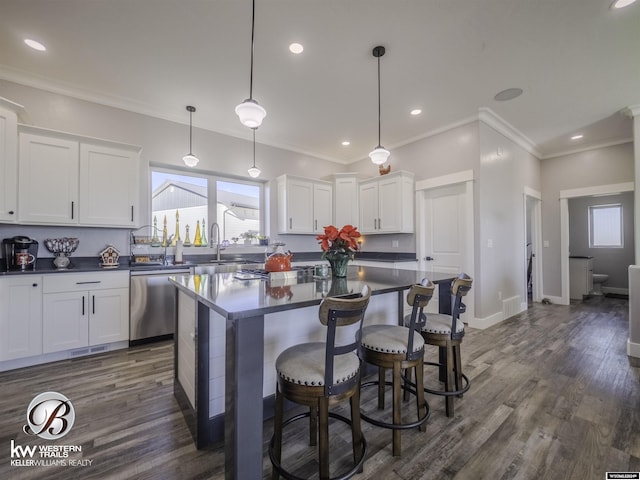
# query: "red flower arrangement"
343,241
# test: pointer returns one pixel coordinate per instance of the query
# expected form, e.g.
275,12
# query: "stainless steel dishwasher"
152,305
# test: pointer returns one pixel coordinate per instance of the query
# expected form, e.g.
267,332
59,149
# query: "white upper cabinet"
345,205
305,206
108,186
48,180
8,164
66,179
386,204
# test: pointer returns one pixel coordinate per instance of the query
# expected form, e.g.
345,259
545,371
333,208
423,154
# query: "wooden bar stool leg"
356,428
313,426
381,385
323,450
448,386
277,429
457,366
397,412
407,376
420,400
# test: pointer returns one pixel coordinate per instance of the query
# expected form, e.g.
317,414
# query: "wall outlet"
395,244
545,244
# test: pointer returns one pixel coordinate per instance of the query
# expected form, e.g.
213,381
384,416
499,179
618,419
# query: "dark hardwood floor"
553,396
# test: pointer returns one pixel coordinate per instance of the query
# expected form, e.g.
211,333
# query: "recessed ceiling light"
296,48
35,45
622,3
416,111
346,143
577,137
508,94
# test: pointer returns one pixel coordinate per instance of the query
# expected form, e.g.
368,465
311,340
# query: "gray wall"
612,261
604,166
164,144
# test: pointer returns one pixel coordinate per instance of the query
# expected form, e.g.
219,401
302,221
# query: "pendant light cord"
254,147
253,16
190,130
379,110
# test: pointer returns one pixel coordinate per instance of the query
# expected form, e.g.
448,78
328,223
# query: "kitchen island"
229,332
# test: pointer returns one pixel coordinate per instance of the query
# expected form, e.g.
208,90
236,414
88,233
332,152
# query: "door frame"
565,195
465,177
536,243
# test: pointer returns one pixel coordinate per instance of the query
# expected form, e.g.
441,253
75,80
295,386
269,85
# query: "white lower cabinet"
84,309
20,317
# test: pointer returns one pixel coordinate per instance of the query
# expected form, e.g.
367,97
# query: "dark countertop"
44,265
234,298
579,256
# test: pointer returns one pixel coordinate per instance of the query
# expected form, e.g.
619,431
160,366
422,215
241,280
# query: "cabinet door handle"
132,213
34,285
316,227
375,224
83,305
84,283
11,212
379,224
93,304
290,222
72,205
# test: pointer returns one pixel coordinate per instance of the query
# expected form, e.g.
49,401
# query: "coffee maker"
20,253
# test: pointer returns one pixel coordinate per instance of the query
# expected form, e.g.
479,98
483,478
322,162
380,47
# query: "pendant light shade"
254,172
190,160
379,155
250,112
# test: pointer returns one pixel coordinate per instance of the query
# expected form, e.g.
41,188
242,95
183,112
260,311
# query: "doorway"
533,244
565,195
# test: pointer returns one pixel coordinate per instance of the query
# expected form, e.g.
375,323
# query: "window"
605,226
182,201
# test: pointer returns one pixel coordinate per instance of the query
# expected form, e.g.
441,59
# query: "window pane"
606,226
183,195
238,211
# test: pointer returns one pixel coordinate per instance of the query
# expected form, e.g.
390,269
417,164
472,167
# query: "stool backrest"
459,288
418,297
336,313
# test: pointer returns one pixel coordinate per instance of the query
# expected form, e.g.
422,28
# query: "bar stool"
446,332
399,348
320,375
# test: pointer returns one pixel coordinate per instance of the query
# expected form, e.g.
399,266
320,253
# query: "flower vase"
339,286
339,263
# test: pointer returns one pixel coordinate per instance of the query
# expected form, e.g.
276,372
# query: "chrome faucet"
217,229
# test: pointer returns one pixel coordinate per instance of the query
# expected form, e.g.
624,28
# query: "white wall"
604,166
505,168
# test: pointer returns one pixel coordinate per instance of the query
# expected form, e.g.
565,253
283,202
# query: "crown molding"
489,117
632,111
587,149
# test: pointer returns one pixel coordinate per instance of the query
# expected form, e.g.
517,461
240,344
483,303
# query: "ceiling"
576,60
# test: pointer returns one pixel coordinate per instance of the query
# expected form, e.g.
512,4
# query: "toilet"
598,280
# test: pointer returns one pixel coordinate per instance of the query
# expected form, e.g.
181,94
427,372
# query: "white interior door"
443,239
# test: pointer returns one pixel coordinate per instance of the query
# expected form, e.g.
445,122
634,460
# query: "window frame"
212,194
591,210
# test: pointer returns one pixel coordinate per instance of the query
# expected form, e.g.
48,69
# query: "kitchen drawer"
75,282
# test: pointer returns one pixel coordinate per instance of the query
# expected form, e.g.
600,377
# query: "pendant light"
250,112
379,154
190,160
254,172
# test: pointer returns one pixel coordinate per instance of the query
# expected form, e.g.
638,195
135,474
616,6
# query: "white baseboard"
486,322
633,349
618,290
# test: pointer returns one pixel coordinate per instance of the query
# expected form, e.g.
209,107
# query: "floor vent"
78,353
511,307
86,351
